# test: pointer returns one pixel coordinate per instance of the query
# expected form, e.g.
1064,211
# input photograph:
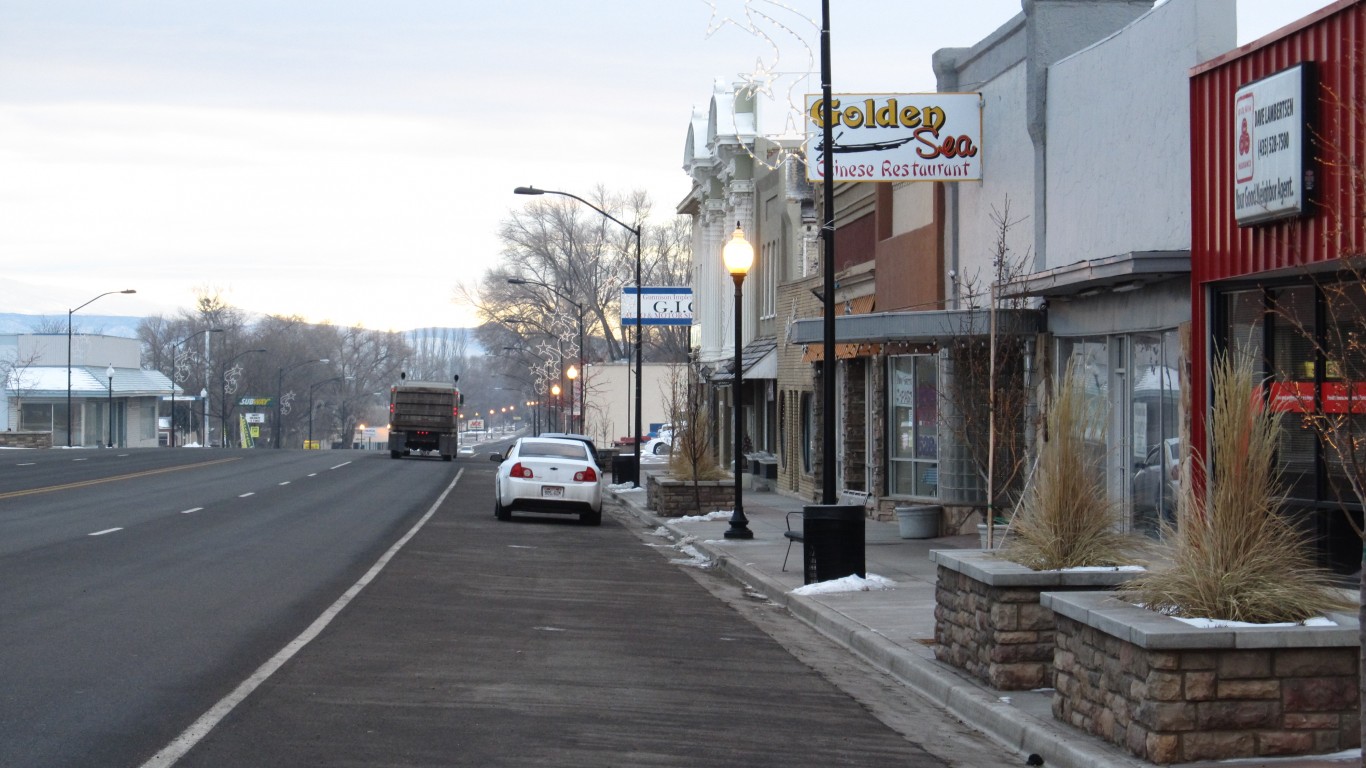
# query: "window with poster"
913,445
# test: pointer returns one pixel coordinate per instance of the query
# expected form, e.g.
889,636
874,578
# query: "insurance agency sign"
1271,178
658,306
897,137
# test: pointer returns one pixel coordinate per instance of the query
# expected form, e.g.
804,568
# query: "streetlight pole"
223,395
69,313
110,373
640,370
175,355
280,393
828,274
738,256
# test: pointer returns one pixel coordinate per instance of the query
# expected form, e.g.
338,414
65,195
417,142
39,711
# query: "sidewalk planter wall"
988,619
1169,692
25,439
670,497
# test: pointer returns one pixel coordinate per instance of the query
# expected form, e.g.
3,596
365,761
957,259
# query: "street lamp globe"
738,254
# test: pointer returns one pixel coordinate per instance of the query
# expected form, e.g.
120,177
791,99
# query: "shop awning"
861,305
916,327
1125,272
759,358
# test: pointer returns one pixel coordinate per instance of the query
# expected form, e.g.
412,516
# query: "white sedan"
544,474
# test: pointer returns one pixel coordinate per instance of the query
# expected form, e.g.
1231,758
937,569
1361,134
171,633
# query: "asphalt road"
138,592
542,642
139,587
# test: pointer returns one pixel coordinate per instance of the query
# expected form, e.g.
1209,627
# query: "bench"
847,498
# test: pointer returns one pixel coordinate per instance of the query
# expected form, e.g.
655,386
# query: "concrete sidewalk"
893,629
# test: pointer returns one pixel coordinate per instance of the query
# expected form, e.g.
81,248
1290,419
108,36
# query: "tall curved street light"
175,355
523,281
311,388
223,395
738,256
635,438
280,392
69,313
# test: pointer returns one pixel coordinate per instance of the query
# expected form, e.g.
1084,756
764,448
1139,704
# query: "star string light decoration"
771,22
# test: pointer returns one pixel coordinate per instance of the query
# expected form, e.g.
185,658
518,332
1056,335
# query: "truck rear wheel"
394,454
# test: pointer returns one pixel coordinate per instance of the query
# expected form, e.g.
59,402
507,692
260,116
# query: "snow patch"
852,583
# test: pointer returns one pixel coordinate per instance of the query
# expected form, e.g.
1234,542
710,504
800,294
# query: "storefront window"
913,390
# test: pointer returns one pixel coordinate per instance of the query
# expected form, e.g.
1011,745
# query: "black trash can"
625,469
832,541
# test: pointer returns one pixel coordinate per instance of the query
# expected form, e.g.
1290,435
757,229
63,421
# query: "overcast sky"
350,161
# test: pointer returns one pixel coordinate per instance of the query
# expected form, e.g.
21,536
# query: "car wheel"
661,449
394,454
591,518
499,511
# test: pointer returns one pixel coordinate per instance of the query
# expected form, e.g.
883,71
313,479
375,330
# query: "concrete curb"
975,706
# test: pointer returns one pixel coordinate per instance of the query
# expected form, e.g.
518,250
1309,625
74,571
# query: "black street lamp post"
635,438
69,313
738,256
311,388
280,392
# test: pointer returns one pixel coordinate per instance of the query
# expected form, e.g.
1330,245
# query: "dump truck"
424,418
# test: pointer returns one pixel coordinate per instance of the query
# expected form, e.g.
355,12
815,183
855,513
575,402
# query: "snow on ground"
852,583
710,516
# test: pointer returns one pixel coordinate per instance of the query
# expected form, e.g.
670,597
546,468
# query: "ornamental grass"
1234,555
1065,519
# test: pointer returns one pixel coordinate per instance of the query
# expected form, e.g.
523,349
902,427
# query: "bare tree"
987,397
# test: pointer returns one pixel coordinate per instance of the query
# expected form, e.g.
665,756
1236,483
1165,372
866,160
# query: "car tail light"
520,471
586,476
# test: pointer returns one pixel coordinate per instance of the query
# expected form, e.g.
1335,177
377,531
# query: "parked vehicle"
424,418
585,439
1157,480
548,474
662,443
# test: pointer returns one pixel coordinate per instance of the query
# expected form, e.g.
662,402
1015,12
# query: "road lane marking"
339,466
26,464
100,480
312,474
191,510
106,530
248,493
80,459
200,728
285,483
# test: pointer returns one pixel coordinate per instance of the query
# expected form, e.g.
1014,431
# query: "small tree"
693,457
986,398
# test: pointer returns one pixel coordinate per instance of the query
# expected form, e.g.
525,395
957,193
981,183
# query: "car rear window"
554,451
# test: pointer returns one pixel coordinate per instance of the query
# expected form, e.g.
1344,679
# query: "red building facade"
1278,153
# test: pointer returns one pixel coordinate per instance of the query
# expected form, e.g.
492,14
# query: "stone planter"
988,620
1169,692
670,497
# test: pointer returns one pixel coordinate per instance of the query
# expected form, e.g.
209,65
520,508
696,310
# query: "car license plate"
552,491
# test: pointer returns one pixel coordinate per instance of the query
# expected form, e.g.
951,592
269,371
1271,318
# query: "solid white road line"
107,530
206,722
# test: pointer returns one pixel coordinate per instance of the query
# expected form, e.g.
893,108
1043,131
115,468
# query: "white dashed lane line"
107,530
285,483
248,493
339,466
191,510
